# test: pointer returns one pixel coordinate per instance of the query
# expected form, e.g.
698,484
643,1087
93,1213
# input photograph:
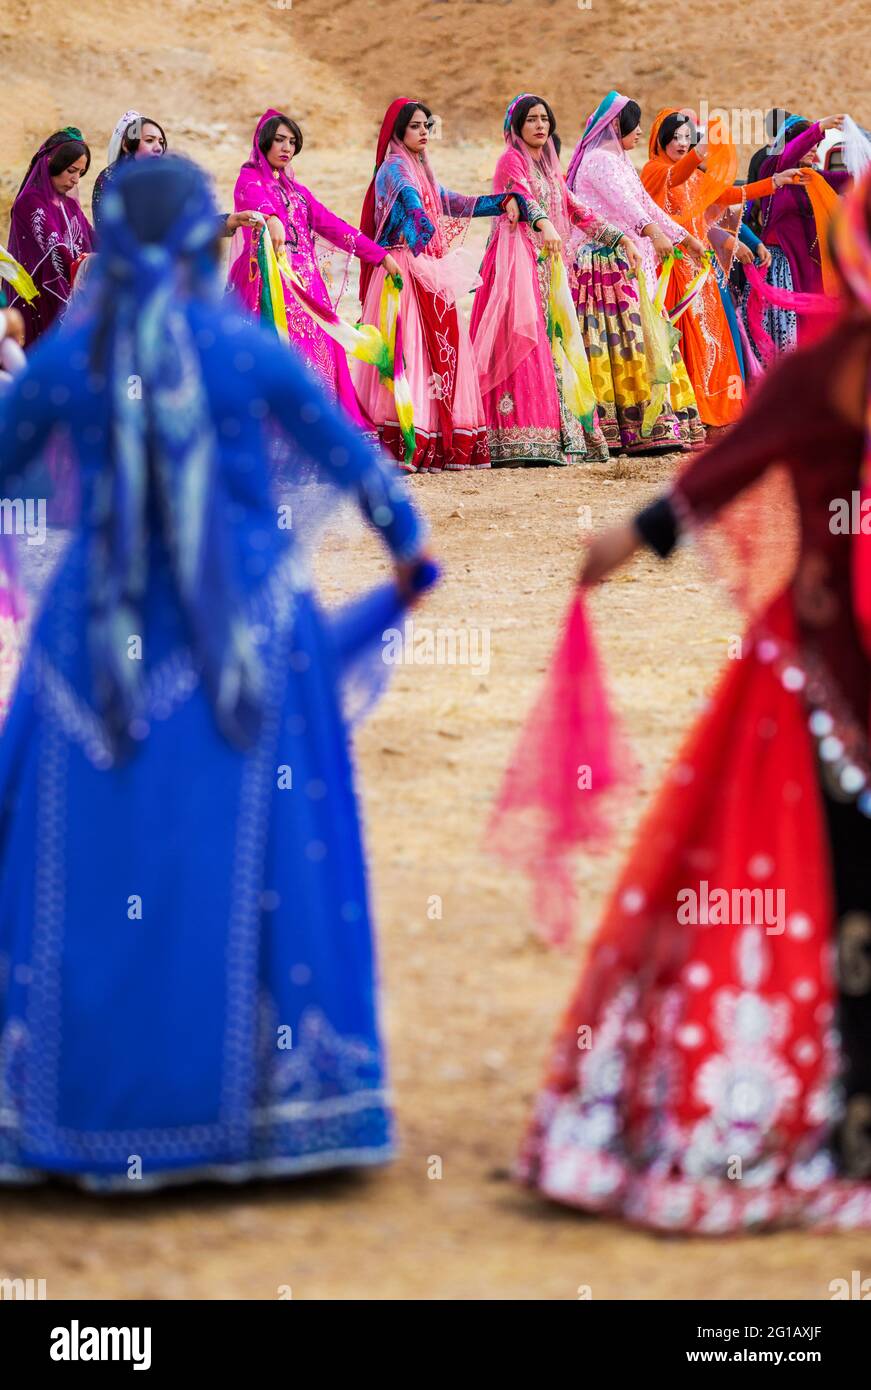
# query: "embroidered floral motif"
506,404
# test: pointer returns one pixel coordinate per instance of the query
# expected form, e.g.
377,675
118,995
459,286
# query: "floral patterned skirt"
711,1073
611,326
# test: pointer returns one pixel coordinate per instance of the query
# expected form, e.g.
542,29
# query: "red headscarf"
367,216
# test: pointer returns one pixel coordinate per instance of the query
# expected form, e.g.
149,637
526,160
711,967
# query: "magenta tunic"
303,217
787,218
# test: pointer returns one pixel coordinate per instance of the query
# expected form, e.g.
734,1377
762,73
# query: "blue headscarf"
157,251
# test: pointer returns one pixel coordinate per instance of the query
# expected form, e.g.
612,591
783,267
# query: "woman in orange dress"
695,186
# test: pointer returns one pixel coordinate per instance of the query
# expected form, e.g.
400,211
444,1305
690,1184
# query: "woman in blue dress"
186,971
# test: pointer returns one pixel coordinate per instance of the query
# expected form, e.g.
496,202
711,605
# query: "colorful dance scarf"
853,252
824,202
16,277
567,758
691,290
795,301
156,254
660,340
379,346
567,346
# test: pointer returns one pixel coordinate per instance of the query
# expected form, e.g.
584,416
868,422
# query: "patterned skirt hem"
606,1185
231,1173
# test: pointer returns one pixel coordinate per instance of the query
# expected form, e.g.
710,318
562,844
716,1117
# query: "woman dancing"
711,1074
294,219
408,210
602,175
529,419
49,234
694,185
175,766
795,222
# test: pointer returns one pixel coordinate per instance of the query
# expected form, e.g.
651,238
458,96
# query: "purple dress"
48,234
786,217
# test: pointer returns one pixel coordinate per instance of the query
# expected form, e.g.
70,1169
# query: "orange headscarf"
703,188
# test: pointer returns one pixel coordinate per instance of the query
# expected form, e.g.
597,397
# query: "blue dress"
186,965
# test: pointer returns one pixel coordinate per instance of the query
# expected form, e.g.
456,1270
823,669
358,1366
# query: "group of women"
226,936
603,315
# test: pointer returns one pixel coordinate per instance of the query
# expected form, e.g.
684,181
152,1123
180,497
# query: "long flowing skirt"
527,418
696,1080
613,334
187,984
467,445
707,348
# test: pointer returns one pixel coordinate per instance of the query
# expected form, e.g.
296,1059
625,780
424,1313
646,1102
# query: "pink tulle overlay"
508,329
569,754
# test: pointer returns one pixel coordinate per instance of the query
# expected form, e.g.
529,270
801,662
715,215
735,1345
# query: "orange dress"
688,194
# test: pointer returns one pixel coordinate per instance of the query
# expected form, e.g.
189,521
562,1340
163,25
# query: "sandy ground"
470,999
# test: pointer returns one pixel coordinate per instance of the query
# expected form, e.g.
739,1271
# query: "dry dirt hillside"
207,71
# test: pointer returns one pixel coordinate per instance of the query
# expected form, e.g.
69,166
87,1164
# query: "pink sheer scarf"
568,756
824,306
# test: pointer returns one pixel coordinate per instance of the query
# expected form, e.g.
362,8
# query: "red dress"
698,1080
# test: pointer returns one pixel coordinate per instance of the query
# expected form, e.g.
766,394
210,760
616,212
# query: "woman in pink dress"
528,420
294,218
601,174
408,210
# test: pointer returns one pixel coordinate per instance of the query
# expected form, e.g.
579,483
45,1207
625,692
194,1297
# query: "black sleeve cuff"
658,527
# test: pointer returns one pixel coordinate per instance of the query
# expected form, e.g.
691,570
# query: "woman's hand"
243,219
661,244
832,123
390,266
277,233
763,255
785,176
14,325
404,571
608,551
693,245
630,253
550,239
512,212
743,255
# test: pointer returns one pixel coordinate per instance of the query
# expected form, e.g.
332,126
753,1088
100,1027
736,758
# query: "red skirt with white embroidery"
694,1080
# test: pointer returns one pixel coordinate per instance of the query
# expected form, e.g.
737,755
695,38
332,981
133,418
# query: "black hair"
65,153
669,128
798,128
403,120
270,130
130,143
774,121
630,117
522,110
